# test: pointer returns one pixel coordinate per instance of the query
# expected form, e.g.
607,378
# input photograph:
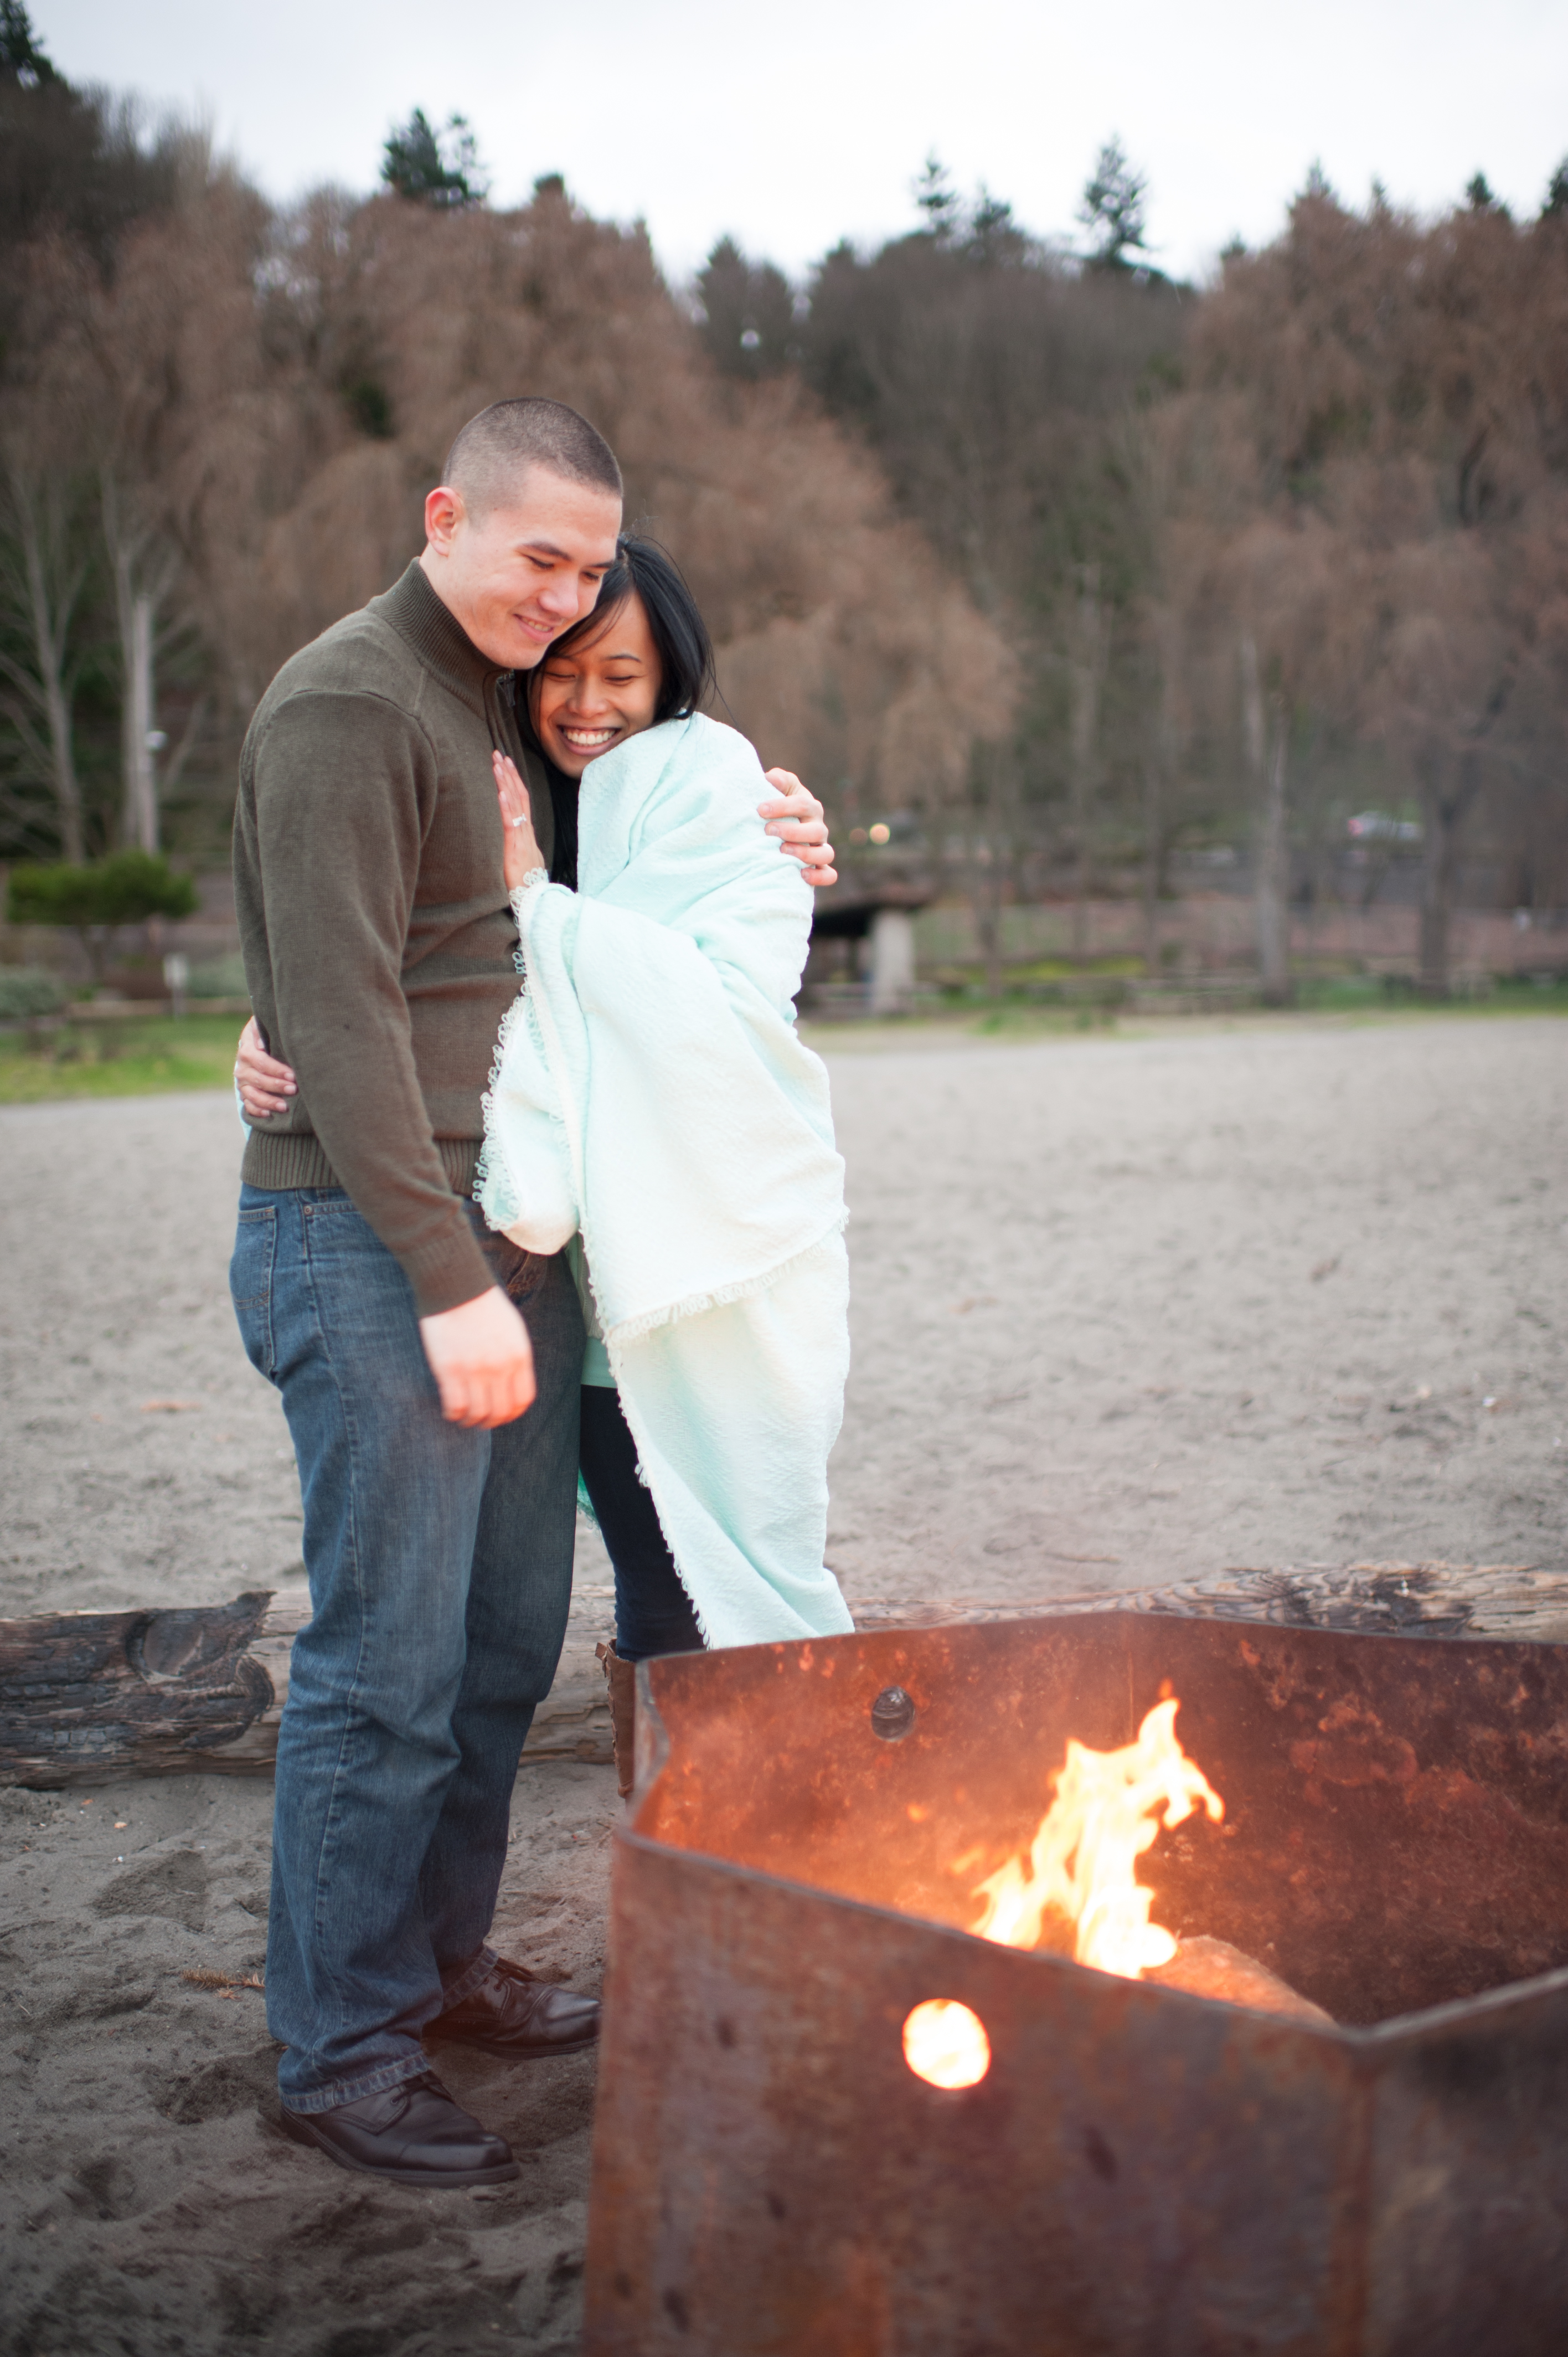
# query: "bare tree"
994,383
1162,759
846,649
1086,658
1398,511
46,560
1266,738
145,567
1450,776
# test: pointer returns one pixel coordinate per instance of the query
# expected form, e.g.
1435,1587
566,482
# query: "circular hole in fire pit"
945,2043
892,1714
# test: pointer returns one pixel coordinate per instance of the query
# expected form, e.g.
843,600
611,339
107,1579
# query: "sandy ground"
1131,1310
1126,1310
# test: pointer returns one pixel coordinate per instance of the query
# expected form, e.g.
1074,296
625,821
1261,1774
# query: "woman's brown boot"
620,1677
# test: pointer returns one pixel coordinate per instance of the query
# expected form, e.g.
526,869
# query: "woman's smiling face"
602,689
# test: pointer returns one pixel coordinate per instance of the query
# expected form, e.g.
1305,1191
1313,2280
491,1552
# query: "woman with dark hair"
653,1104
659,665
653,1109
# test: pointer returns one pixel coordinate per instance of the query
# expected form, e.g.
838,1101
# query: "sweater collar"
435,635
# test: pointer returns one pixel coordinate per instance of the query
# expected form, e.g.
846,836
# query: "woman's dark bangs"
675,625
687,675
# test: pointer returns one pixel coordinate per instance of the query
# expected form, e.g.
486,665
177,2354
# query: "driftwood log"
201,1690
88,1695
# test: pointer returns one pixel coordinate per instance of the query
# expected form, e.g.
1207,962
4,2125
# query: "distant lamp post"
177,980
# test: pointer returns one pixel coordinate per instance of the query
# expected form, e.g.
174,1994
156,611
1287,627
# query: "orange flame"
1105,1814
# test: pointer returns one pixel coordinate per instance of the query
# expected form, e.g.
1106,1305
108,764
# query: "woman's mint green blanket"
651,1093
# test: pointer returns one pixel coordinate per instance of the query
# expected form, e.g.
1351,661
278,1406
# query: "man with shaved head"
429,1370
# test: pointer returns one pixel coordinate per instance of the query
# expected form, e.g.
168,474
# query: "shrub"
26,991
222,977
93,899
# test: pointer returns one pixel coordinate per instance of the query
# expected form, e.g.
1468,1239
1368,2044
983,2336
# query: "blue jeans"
440,1565
653,1612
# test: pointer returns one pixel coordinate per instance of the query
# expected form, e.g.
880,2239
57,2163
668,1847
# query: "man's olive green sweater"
377,937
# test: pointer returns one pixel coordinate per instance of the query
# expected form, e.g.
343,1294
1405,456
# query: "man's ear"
444,514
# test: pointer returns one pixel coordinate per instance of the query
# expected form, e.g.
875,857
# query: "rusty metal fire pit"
1141,2169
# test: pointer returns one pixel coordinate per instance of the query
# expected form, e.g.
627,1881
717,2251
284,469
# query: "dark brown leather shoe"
414,2134
513,2014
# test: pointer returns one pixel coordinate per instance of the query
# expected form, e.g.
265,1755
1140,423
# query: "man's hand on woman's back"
796,818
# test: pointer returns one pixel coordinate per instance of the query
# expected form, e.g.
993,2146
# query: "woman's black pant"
653,1612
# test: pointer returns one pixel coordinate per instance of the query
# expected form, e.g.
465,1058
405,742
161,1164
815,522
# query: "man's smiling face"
524,570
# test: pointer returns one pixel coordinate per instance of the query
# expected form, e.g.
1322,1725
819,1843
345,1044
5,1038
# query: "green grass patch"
1363,993
1074,970
971,978
1348,994
1020,1017
1005,1019
1529,995
131,1058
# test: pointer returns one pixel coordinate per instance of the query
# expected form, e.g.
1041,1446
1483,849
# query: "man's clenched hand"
480,1356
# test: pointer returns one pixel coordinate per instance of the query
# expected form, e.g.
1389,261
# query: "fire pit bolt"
833,2120
892,1714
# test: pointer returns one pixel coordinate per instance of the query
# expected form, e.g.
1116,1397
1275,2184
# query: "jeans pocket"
518,1272
521,1277
336,1231
250,1285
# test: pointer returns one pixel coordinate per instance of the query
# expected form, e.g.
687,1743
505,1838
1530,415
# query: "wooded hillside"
1058,566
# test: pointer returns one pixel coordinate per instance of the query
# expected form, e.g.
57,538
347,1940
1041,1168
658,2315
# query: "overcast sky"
793,125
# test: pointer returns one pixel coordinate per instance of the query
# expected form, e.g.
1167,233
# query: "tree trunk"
85,1697
1273,872
136,599
52,592
140,817
1087,667
1159,773
1442,815
1436,890
96,941
1267,748
985,899
1154,862
993,783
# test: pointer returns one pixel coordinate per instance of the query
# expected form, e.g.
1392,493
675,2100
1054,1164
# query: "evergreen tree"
74,159
434,169
938,198
1113,209
21,60
748,313
1556,203
994,235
